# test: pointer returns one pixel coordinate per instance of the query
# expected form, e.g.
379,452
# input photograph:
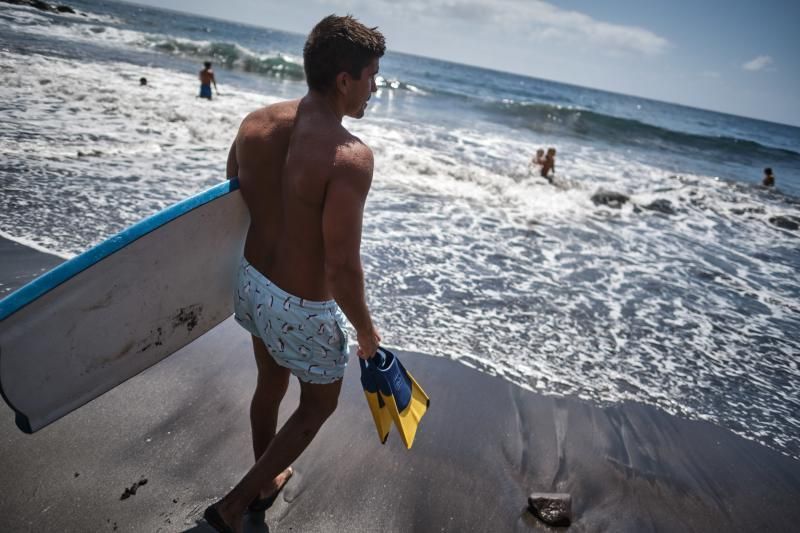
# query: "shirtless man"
206,79
305,180
549,164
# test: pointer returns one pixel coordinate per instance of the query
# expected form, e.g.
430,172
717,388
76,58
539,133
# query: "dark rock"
610,198
661,205
38,4
42,6
552,508
785,222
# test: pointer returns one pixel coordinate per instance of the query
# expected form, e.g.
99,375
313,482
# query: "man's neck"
326,103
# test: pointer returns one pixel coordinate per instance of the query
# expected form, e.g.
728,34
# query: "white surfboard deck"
108,314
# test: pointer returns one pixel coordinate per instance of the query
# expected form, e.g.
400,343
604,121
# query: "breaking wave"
232,56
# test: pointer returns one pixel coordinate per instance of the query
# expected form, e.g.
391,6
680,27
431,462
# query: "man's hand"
368,342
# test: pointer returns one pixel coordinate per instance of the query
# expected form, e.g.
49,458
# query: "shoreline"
484,445
21,264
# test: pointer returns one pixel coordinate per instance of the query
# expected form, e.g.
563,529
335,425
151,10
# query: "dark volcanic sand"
484,445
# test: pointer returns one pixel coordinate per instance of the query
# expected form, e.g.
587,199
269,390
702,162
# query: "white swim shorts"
305,336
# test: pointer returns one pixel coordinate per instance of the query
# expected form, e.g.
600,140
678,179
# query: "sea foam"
690,305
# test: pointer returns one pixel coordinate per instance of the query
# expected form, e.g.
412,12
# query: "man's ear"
343,81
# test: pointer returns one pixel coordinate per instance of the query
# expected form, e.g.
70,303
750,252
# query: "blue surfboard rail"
52,279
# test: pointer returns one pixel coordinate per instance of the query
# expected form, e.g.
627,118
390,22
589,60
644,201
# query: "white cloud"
546,19
534,18
759,63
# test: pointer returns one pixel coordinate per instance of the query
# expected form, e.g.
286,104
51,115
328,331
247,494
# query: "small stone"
552,508
77,474
130,491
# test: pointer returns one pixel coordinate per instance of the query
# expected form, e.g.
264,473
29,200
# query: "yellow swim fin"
405,400
378,408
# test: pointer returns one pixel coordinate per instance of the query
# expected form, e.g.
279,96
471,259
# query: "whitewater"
684,296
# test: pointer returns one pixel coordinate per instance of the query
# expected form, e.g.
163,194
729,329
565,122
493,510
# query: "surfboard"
106,315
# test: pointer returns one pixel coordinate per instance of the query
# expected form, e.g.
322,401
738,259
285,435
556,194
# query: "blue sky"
733,56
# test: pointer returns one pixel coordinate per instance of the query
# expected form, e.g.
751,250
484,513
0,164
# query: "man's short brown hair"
339,44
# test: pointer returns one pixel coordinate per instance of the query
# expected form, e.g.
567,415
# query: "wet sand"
484,445
20,264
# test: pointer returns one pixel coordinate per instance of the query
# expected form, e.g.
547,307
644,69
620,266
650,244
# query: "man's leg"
273,380
317,403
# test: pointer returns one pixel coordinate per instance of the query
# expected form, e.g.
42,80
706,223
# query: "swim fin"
405,400
378,408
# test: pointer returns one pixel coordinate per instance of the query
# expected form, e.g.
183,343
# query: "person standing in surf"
769,178
206,79
538,159
549,165
305,181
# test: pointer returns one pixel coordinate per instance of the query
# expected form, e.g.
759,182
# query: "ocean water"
685,297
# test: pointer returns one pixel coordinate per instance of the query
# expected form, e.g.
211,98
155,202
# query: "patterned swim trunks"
305,336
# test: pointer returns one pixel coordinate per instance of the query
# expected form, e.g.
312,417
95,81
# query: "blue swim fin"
378,408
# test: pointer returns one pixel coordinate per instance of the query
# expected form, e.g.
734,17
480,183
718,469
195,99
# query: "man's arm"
342,216
214,81
232,167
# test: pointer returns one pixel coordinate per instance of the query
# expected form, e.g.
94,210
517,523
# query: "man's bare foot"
278,483
268,497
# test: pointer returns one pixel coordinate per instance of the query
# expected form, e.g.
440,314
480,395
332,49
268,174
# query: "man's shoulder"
269,119
279,111
354,155
353,165
352,168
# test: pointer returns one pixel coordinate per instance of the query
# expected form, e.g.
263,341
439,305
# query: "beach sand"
484,445
20,264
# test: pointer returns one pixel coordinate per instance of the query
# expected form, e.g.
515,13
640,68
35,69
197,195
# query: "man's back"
287,155
206,76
